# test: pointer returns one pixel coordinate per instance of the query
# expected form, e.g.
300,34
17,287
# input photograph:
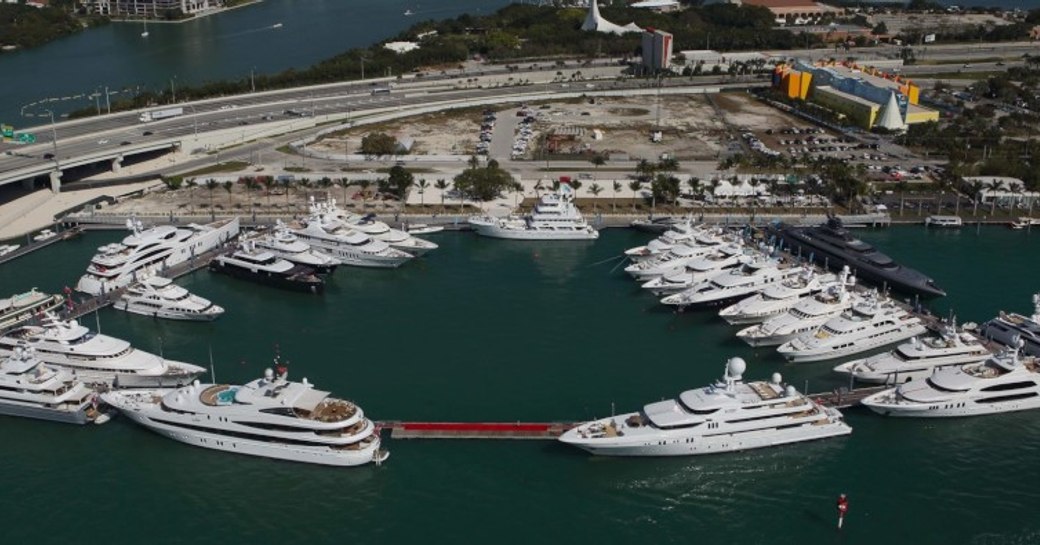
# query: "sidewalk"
37,210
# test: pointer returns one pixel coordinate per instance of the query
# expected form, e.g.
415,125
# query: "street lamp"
54,140
194,120
173,89
252,81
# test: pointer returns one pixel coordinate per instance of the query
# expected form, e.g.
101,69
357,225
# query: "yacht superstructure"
97,358
554,218
872,323
271,417
678,233
806,315
676,259
777,299
1003,383
735,284
348,245
31,389
378,230
724,258
283,244
918,358
729,415
159,297
1005,328
21,308
149,251
250,263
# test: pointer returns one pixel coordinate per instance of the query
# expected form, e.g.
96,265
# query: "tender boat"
918,358
554,218
261,266
944,221
31,389
831,243
727,416
284,244
422,229
872,323
159,297
1003,383
8,248
96,358
778,298
271,417
150,251
43,235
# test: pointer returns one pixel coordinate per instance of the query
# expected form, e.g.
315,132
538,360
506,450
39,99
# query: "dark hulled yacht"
263,267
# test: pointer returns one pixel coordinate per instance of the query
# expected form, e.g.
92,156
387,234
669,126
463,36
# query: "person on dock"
843,508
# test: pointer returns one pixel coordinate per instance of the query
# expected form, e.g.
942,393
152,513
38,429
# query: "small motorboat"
422,229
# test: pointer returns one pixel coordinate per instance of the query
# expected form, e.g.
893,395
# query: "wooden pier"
843,398
476,430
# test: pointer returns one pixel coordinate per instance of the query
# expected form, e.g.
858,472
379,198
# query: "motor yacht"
724,258
150,251
20,308
554,218
31,389
806,315
159,297
43,235
729,415
730,286
918,358
271,417
96,358
872,323
678,233
348,245
674,261
778,298
282,243
250,263
1006,327
378,230
8,248
1005,382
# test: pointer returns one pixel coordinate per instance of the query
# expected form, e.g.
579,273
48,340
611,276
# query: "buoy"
843,507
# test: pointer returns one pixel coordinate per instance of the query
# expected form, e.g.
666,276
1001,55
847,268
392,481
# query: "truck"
165,113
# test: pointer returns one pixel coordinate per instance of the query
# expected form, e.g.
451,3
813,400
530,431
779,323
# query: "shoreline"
197,16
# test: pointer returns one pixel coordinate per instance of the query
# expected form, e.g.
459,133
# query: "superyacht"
833,244
1006,327
918,358
807,315
1003,383
20,308
260,266
271,417
149,251
31,389
96,358
284,244
726,257
778,298
735,284
159,297
684,232
554,218
349,246
378,230
870,324
673,261
727,416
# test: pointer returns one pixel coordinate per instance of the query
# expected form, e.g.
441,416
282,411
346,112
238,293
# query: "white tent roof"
890,117
595,22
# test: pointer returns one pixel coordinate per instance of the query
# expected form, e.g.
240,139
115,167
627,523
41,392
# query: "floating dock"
34,245
476,430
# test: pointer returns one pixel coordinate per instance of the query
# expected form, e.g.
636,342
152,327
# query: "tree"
422,185
598,160
211,184
665,188
483,184
227,187
595,189
191,194
378,144
635,185
442,185
879,29
364,185
398,181
613,201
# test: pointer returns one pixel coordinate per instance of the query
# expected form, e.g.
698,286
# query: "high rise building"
657,50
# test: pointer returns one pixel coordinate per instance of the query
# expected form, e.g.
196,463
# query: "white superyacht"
159,297
369,225
729,256
283,244
97,358
349,246
554,218
22,307
918,358
684,232
872,323
729,415
806,315
31,389
673,261
1003,383
735,284
149,251
1009,328
777,299
271,417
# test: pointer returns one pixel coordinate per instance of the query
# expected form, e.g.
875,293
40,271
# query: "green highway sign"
25,138
7,131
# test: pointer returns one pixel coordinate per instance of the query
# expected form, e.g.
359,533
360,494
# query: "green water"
496,330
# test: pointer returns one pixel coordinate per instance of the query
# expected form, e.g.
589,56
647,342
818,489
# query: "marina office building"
149,8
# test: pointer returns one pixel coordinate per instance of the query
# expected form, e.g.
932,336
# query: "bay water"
490,330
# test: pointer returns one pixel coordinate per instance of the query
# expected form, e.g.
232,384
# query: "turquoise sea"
503,331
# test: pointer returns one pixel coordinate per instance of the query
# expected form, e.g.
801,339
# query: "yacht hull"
857,347
294,453
78,416
268,279
950,409
495,231
131,308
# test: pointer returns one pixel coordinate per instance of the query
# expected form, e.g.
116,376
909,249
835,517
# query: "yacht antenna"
212,371
97,320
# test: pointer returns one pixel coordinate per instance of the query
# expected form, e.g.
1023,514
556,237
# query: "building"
657,5
1003,190
866,96
797,11
149,8
594,22
657,50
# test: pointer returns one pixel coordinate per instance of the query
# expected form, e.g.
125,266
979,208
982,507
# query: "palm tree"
976,188
211,184
227,187
993,186
715,183
613,202
286,182
635,185
364,184
595,189
518,189
901,186
598,160
191,195
422,185
442,185
538,187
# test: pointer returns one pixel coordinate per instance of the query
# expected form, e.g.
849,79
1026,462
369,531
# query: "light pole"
194,120
252,80
54,140
173,89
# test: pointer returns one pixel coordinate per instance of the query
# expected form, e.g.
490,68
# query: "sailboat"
408,13
145,33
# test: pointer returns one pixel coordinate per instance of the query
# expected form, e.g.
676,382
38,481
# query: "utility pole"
108,102
173,89
252,80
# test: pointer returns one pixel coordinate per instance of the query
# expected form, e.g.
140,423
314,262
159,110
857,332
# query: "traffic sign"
7,131
25,138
